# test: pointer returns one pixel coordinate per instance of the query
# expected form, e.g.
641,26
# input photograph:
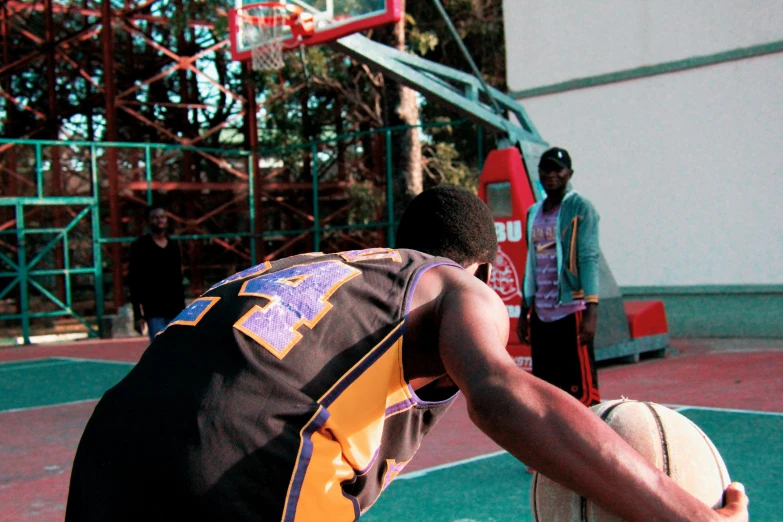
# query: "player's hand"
736,508
139,326
523,328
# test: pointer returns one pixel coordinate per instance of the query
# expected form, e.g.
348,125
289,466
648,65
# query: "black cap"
555,157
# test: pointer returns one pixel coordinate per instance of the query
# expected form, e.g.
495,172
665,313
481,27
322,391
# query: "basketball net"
265,27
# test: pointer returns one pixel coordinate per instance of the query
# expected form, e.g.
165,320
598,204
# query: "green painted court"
497,487
53,381
60,392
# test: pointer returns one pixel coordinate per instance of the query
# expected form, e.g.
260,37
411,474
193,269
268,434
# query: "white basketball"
667,439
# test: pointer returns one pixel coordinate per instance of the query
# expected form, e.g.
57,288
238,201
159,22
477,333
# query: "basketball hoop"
266,26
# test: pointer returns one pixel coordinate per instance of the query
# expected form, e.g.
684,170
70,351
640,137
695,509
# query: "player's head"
452,222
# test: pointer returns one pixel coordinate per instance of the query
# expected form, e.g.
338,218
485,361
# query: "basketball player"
297,390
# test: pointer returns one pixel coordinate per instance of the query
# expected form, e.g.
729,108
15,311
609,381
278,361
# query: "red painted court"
42,424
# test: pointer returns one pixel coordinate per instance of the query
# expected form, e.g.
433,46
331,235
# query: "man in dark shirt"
155,276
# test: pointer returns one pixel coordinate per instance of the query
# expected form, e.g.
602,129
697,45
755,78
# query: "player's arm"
545,427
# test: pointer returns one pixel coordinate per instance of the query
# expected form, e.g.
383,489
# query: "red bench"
645,318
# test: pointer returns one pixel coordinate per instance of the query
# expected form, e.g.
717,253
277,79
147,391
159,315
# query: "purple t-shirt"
547,284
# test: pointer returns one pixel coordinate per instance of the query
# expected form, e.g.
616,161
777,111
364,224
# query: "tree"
479,23
404,110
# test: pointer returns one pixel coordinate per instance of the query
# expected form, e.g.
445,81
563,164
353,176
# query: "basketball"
667,439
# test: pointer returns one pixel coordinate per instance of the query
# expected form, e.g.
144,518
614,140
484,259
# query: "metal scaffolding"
126,102
312,216
85,96
61,79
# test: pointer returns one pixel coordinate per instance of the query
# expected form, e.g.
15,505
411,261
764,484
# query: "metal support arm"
459,91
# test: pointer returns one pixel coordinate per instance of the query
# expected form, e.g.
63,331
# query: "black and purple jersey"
277,395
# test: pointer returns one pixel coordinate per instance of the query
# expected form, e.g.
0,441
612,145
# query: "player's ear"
483,272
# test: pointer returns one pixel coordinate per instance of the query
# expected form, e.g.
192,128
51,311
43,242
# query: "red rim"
293,13
241,52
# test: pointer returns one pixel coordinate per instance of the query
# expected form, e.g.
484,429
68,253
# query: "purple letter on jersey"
253,270
193,313
297,295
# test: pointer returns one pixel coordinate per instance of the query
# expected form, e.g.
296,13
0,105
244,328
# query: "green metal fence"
233,208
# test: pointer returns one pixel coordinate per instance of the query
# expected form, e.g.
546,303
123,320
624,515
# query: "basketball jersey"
279,394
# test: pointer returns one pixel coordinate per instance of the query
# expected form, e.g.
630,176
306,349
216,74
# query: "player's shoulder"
460,286
467,301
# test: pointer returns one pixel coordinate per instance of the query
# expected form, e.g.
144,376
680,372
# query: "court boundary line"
422,472
23,366
682,407
20,362
85,359
31,408
677,407
13,361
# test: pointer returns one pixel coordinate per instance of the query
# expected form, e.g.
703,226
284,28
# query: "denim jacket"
577,251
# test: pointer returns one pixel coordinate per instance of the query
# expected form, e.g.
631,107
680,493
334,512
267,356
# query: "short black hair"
449,221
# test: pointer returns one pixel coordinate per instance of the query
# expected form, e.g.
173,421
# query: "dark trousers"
155,325
561,359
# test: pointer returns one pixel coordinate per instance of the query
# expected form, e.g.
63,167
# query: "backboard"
332,19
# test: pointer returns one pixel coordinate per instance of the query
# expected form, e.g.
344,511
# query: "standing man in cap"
560,305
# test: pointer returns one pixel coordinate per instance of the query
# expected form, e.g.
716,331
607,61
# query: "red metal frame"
101,30
393,14
506,166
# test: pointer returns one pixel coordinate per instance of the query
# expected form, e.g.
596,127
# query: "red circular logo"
504,279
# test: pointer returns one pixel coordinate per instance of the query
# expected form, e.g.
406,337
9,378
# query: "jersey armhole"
415,281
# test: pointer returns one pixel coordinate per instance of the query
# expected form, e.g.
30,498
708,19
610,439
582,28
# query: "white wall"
686,169
550,41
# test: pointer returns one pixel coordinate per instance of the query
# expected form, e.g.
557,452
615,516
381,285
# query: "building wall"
550,41
673,114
